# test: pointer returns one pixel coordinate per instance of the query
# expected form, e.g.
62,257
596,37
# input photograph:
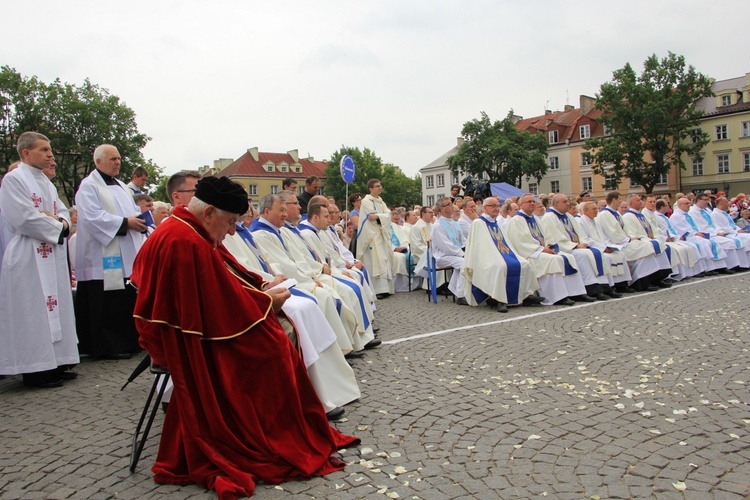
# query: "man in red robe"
243,408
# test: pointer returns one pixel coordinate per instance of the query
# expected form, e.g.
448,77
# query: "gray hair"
441,201
558,198
197,205
99,151
27,141
283,196
161,204
266,203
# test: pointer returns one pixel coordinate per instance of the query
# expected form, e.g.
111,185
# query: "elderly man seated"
714,257
492,272
558,276
688,262
403,263
214,325
724,224
639,228
701,214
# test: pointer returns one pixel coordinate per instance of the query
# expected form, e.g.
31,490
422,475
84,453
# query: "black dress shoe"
624,289
565,302
614,294
373,344
583,298
726,271
382,296
355,355
533,300
651,288
601,296
120,355
501,308
663,284
164,406
336,413
461,301
375,329
67,375
41,380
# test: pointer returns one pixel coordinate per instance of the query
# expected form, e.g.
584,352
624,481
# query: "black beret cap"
222,193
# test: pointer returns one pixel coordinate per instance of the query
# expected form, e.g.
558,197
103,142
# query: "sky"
210,80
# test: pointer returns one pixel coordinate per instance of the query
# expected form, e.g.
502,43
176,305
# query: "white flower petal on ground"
679,486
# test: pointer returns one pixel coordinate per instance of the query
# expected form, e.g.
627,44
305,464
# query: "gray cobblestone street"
645,396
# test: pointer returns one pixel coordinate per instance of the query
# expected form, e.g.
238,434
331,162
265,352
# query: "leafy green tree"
500,150
398,189
76,119
653,119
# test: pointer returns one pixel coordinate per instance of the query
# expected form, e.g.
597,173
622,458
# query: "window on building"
269,168
284,168
301,189
584,131
721,133
430,181
610,184
252,190
455,179
585,158
634,184
274,189
726,100
746,162
554,163
440,180
694,135
697,166
554,186
533,188
662,179
722,163
745,129
587,184
298,169
553,137
440,195
430,200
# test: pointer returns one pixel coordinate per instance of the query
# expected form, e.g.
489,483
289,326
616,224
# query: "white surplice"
374,243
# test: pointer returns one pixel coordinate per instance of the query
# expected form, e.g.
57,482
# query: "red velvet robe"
243,408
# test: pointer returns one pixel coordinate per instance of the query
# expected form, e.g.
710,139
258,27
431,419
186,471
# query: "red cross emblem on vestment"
51,303
36,199
44,249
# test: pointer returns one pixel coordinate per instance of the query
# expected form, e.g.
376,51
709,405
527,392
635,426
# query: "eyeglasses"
493,205
445,205
187,190
292,203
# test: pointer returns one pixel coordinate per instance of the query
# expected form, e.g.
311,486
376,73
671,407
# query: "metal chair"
432,271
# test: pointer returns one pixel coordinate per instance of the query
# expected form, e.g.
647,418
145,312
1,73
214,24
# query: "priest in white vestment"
403,260
561,229
491,270
640,254
638,228
614,259
724,224
38,333
374,240
701,214
468,215
689,262
558,275
714,257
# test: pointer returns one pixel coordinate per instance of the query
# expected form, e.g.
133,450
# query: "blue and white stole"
260,225
452,229
397,243
707,216
335,240
306,226
616,214
573,235
536,233
647,228
513,280
714,245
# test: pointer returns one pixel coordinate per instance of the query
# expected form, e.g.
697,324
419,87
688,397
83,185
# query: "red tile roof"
565,122
247,166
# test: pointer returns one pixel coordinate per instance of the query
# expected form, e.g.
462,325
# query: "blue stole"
335,238
259,225
306,227
616,214
536,233
452,229
707,216
714,245
573,235
397,243
513,281
647,227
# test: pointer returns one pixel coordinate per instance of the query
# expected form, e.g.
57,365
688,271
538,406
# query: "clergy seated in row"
724,224
714,256
403,260
419,234
330,374
686,257
446,243
701,214
492,272
560,229
243,408
267,234
646,274
614,259
468,215
557,273
639,228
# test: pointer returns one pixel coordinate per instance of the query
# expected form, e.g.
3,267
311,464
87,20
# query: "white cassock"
332,377
339,316
619,271
714,257
341,257
492,269
724,224
346,288
400,238
464,222
638,228
689,262
446,243
563,230
419,235
374,243
38,330
557,274
639,254
705,223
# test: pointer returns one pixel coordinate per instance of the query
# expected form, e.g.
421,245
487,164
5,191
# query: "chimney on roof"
222,163
460,141
294,154
516,118
254,153
547,111
568,107
587,104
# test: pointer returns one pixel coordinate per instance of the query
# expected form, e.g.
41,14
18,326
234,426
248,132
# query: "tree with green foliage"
76,119
653,119
398,189
501,151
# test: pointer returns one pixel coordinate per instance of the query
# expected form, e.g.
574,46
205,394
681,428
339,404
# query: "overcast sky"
209,80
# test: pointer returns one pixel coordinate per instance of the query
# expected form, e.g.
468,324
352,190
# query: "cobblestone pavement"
637,397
